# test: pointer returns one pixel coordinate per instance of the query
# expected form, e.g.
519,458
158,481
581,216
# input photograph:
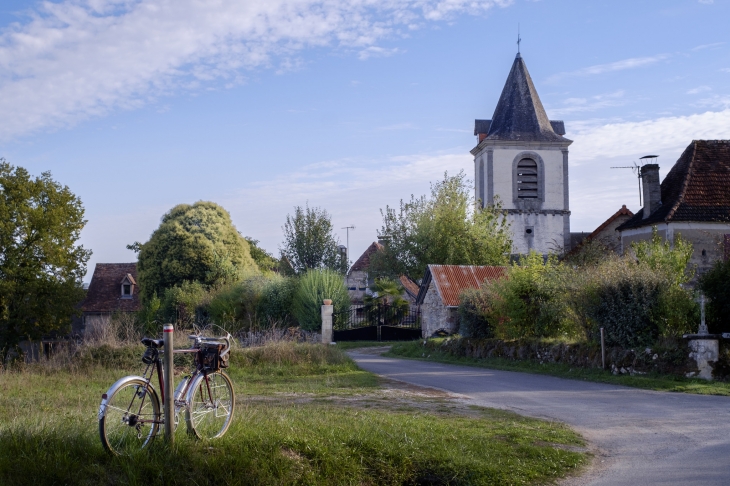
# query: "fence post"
603,351
327,310
167,394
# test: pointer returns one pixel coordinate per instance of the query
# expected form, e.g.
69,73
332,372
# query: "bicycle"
130,415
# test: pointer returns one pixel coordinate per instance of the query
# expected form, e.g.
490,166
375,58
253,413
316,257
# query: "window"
126,289
527,179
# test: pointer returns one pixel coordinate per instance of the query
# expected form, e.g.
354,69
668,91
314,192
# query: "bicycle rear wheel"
210,405
130,418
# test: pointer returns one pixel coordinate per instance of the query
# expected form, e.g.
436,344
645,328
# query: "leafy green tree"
265,260
194,243
309,242
41,266
446,228
659,255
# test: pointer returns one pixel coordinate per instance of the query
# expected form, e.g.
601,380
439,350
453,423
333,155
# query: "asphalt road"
640,437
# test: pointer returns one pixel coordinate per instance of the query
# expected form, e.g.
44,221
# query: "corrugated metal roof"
450,280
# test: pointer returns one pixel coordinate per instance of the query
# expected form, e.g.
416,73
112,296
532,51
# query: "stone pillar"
704,351
327,311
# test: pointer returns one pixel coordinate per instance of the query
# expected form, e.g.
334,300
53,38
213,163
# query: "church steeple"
519,114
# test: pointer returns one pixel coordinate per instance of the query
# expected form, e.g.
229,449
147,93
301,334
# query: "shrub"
527,302
716,286
313,287
184,304
624,298
276,301
474,307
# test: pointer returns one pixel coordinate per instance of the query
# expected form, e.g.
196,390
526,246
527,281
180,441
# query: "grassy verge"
346,345
416,350
305,415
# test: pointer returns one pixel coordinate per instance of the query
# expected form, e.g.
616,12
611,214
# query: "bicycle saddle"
153,343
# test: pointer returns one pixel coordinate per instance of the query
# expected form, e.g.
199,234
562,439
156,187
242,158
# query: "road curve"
642,437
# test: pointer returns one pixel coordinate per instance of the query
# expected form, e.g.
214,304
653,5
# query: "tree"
309,242
447,228
194,243
41,266
264,260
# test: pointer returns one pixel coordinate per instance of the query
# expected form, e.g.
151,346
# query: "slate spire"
519,114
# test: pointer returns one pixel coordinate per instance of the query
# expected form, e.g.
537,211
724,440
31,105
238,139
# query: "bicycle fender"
113,389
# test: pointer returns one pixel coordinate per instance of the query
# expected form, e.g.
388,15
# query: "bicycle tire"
210,406
129,418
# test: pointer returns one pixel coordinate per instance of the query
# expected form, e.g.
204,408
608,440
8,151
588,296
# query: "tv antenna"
636,169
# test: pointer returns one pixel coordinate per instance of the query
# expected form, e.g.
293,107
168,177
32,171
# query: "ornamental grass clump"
315,286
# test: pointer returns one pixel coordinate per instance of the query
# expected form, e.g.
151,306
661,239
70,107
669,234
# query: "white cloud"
631,63
725,70
628,139
77,59
593,103
699,89
376,51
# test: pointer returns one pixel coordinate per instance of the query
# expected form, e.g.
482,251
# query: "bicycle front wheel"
130,418
210,403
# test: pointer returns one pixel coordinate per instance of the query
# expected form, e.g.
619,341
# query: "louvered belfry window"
527,179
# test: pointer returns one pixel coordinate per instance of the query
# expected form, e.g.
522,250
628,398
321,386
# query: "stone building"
606,233
113,289
438,296
522,159
693,201
358,280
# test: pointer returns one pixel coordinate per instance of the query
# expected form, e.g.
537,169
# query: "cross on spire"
519,39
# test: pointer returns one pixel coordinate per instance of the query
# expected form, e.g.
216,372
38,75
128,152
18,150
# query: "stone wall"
435,315
670,357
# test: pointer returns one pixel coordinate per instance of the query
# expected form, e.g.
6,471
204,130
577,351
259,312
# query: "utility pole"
348,228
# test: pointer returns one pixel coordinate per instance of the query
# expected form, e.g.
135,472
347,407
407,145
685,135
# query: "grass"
305,415
416,350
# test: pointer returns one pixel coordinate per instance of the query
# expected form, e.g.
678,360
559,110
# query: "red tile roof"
105,290
697,188
450,280
363,262
624,211
409,285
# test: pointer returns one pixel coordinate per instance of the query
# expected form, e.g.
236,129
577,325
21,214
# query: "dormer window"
128,284
527,179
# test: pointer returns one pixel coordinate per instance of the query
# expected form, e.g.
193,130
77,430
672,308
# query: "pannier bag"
210,358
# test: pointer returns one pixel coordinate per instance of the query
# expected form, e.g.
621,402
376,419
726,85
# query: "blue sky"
261,105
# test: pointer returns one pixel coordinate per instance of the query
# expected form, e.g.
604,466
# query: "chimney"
652,190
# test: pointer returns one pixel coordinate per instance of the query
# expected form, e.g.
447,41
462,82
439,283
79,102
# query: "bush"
473,314
276,301
184,304
716,286
527,302
258,302
623,298
313,287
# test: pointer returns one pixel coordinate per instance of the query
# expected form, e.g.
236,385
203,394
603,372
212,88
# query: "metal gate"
377,322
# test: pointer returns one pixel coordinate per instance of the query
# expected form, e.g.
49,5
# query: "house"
605,234
438,296
410,289
357,279
113,289
521,159
693,201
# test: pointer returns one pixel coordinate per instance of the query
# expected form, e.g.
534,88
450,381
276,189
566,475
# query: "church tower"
522,159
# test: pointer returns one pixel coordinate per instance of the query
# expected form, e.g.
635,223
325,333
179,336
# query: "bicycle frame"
156,365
